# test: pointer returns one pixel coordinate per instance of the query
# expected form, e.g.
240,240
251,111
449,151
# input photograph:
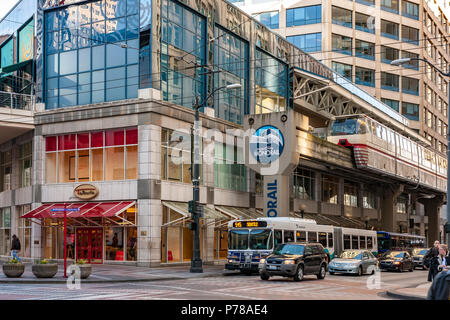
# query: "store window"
24,230
350,193
304,184
5,231
25,161
92,156
5,170
121,236
310,42
345,70
304,15
271,78
330,189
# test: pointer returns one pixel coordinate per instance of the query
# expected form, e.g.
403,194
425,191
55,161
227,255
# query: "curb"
107,281
403,296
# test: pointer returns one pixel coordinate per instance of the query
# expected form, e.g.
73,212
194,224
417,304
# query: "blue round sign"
266,144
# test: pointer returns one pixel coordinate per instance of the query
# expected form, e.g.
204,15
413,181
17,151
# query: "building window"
389,29
410,111
229,168
414,63
342,44
24,230
330,189
310,42
394,104
176,156
342,17
370,3
410,35
269,19
5,170
345,70
410,10
401,205
92,156
389,5
183,34
91,53
230,58
304,15
271,82
364,49
364,22
410,86
304,184
389,54
365,76
369,200
389,81
5,231
350,194
25,161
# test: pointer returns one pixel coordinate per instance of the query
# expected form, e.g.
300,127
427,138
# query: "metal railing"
18,101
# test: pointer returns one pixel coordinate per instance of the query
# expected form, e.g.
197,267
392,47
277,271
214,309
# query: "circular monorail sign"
266,144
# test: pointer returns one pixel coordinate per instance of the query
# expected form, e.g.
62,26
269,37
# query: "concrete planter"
13,270
44,270
85,270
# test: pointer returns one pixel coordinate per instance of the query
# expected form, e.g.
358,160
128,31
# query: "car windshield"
261,239
289,249
394,254
419,252
351,255
238,239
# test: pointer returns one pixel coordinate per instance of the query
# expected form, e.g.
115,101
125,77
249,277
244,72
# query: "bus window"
312,236
323,239
261,239
330,240
288,236
278,237
369,243
346,241
301,236
355,242
362,242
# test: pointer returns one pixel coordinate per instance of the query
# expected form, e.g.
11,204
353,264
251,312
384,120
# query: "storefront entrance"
90,244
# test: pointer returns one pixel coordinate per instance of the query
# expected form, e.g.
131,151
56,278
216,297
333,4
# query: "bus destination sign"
250,224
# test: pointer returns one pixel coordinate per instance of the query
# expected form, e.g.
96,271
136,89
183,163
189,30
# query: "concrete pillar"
208,241
36,229
432,210
389,207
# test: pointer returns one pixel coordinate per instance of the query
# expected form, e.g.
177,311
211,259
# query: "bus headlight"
262,260
289,262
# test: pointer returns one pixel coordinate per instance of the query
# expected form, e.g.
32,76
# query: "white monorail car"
380,149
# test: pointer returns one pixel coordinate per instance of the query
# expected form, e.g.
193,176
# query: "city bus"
251,240
388,241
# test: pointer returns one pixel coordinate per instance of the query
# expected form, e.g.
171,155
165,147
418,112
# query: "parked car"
295,259
397,261
355,262
417,255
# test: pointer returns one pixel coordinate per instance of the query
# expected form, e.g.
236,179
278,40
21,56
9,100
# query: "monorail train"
380,149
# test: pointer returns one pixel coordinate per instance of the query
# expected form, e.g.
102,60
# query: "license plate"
272,267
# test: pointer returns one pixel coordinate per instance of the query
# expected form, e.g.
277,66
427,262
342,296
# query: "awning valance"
183,209
79,209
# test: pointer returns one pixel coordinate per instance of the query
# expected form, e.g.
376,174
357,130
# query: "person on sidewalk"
440,288
15,247
431,261
443,259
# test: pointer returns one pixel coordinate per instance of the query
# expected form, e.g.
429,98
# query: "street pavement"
170,283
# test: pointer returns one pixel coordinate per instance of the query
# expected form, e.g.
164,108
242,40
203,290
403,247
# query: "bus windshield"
261,239
350,126
238,239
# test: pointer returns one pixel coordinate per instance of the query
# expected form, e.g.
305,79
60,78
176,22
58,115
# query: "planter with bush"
44,269
13,268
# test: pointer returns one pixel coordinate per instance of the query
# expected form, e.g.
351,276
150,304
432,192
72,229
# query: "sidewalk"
121,273
414,293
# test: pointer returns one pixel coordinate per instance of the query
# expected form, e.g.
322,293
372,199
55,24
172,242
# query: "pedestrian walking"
443,259
431,261
15,247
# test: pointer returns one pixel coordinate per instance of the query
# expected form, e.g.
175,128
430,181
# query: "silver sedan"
354,262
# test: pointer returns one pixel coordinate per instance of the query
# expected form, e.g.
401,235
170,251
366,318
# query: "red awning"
86,209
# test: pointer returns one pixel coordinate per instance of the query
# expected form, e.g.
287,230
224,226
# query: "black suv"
295,259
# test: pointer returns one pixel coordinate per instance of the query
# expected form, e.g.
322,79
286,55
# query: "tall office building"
360,38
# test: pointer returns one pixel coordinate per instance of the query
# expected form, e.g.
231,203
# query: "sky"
5,6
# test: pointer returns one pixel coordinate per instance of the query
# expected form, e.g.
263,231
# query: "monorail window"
323,238
312,236
347,242
355,242
261,239
330,240
349,126
369,243
362,242
238,239
288,236
278,236
301,236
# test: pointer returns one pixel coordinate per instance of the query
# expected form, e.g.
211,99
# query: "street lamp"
400,62
302,210
194,207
